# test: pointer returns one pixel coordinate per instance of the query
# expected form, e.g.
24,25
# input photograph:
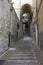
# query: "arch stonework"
26,8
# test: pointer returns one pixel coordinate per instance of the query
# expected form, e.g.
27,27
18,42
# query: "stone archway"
26,13
26,8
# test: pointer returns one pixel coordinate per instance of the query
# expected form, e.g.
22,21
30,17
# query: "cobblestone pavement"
22,54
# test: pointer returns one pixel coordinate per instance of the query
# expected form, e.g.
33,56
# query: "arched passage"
26,18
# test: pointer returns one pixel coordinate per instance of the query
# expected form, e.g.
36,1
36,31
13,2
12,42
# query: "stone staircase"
22,54
21,58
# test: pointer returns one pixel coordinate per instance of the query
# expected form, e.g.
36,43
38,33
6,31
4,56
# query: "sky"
19,3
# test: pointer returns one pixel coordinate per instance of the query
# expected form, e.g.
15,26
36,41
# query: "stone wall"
40,21
13,26
8,22
41,25
4,23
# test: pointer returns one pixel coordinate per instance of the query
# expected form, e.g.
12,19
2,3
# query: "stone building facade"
8,23
40,17
40,20
4,23
13,25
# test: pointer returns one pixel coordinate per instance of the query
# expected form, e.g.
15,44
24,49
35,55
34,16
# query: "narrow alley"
21,32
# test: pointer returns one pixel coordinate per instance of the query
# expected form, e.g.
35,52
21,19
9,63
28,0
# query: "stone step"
27,58
31,62
23,55
21,64
23,52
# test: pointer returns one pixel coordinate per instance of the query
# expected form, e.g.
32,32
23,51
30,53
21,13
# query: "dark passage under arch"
26,17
